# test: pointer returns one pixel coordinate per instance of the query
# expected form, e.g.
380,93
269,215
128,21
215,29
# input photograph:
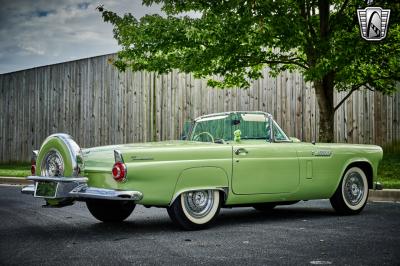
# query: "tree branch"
279,60
368,87
288,61
353,88
305,10
307,18
305,14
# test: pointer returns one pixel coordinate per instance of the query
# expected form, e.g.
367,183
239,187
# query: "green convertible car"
227,160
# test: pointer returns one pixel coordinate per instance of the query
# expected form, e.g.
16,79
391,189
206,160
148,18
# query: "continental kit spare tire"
60,156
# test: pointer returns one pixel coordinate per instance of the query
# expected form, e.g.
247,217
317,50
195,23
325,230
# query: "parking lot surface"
307,233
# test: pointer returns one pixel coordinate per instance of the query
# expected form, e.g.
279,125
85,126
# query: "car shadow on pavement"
235,216
281,212
227,217
249,215
93,230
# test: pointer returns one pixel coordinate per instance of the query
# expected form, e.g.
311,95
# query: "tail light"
119,171
33,168
33,162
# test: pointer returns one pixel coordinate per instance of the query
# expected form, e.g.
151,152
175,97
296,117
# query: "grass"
15,169
388,171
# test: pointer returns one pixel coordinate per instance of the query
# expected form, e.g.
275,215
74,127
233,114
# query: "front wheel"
195,210
352,193
110,210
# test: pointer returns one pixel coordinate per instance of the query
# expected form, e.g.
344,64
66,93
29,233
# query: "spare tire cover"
65,146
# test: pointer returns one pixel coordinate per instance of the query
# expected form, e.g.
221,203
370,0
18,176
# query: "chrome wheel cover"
52,164
199,203
353,188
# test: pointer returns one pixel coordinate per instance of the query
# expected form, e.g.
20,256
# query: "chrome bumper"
76,188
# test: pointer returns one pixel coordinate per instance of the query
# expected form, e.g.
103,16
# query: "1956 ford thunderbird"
227,160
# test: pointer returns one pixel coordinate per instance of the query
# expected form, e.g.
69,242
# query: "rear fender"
201,178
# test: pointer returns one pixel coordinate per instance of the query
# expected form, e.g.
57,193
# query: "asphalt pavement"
301,234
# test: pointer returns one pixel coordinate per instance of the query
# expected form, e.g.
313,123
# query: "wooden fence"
90,100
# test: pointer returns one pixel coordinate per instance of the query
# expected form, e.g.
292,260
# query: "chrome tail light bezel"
119,170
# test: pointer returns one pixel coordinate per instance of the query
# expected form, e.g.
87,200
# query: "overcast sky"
42,32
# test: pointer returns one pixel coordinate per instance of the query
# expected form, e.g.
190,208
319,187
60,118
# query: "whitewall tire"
195,210
352,194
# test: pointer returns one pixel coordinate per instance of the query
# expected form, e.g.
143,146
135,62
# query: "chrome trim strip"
118,156
233,112
83,191
271,131
57,179
279,128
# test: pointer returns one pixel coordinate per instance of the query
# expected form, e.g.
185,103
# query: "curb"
392,195
14,181
384,195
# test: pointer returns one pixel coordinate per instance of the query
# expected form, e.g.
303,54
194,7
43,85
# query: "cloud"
42,32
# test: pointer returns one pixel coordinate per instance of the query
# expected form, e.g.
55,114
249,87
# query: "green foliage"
389,170
236,39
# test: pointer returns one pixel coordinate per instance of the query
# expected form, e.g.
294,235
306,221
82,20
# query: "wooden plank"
389,119
349,120
278,115
298,110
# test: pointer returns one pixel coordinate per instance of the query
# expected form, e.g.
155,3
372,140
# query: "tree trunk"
324,94
324,88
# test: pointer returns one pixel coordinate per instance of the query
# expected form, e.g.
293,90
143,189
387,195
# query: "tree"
237,38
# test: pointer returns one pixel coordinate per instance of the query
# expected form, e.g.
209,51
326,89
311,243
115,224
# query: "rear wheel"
110,210
352,193
195,210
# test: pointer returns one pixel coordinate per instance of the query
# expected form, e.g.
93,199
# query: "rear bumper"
76,188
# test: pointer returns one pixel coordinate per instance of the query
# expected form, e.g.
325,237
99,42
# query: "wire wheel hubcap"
52,164
198,204
353,188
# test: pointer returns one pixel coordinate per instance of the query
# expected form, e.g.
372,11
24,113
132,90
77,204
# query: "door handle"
241,151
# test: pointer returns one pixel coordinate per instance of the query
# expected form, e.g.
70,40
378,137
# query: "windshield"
212,128
222,127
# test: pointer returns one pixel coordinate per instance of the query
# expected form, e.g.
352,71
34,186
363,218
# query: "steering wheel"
197,137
